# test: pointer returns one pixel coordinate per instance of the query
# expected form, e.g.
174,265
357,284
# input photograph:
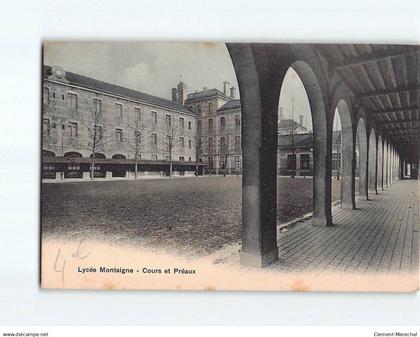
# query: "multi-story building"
127,132
218,128
132,133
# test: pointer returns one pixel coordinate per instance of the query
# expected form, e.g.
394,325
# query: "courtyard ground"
192,216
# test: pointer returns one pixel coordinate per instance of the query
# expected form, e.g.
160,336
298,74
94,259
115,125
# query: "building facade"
94,128
125,131
218,129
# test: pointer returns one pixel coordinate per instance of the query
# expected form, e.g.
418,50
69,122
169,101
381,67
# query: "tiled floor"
381,235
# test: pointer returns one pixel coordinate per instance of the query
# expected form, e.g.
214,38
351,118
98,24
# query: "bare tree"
292,141
172,139
198,146
135,142
337,144
93,123
224,149
48,109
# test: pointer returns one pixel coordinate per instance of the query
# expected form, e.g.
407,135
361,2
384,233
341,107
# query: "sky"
155,68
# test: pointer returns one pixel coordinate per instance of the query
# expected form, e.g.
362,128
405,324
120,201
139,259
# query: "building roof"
206,94
88,82
234,104
287,123
301,140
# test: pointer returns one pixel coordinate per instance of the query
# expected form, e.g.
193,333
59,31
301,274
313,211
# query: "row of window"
223,144
97,109
73,131
222,123
209,105
223,163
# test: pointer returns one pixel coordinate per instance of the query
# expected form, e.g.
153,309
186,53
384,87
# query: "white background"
23,24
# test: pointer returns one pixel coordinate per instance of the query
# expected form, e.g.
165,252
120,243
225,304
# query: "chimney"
174,96
225,87
301,120
181,92
205,88
232,92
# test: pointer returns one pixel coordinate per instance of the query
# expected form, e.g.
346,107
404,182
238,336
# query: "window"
237,143
73,101
189,158
46,127
154,157
62,97
305,161
118,110
210,123
198,108
154,117
336,161
222,122
182,122
168,121
181,141
137,114
73,132
237,163
97,105
189,144
119,135
189,125
98,130
53,95
222,143
291,161
198,125
210,105
181,159
223,162
154,139
237,122
46,95
73,167
210,144
211,163
167,157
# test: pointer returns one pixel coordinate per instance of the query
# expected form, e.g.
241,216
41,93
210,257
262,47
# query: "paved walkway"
380,236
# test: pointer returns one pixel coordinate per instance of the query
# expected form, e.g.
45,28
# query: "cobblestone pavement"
380,236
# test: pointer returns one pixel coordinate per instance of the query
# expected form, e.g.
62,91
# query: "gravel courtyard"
193,216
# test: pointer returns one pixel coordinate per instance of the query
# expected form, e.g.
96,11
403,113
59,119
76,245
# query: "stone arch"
372,161
73,154
260,69
119,156
362,147
307,65
47,153
98,155
342,102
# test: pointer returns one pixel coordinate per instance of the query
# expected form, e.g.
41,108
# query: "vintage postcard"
237,166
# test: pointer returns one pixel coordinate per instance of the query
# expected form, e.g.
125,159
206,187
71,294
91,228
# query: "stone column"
348,169
373,163
260,69
379,174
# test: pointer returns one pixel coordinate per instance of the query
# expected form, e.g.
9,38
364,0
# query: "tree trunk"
170,164
135,168
92,166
